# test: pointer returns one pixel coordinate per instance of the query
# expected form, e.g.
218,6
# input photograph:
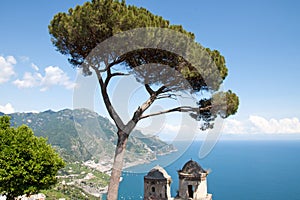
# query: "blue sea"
240,170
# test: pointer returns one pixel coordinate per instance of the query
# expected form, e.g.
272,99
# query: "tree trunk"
113,186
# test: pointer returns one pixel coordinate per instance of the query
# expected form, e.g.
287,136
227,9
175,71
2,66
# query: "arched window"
153,189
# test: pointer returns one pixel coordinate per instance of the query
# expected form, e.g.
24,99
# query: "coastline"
105,166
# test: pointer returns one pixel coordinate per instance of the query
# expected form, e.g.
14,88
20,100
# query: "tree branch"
110,75
110,65
141,109
165,96
149,89
119,74
161,90
111,111
177,109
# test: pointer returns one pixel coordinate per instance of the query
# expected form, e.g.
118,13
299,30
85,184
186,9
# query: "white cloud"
172,128
29,80
56,76
7,109
233,126
261,125
53,76
11,59
35,67
24,58
6,68
285,125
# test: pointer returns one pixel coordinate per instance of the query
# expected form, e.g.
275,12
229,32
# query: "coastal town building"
192,183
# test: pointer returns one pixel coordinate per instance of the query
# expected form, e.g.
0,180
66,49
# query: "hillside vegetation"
81,135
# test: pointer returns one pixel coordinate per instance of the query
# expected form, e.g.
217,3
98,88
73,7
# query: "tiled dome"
158,173
192,167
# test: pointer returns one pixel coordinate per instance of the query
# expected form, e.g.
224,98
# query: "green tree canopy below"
27,163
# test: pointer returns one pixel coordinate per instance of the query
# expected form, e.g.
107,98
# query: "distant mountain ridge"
81,135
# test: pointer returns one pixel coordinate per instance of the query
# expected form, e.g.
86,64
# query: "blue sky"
259,39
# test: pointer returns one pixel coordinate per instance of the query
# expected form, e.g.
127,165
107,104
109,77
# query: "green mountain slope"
81,135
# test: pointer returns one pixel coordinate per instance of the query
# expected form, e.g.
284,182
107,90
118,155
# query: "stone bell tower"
157,185
192,182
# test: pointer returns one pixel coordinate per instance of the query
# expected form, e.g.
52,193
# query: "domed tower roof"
158,173
192,168
192,171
